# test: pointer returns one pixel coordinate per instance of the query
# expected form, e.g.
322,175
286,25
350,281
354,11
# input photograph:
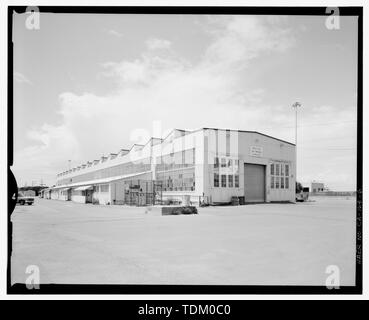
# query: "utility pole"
69,164
295,106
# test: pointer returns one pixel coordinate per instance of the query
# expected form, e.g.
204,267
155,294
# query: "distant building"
208,165
32,191
29,193
317,187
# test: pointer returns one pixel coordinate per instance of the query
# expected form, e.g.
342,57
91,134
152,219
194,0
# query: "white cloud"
21,78
50,148
155,43
115,33
239,39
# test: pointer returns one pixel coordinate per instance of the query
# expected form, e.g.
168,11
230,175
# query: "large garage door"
254,183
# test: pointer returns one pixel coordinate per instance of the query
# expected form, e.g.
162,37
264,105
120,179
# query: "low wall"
166,210
79,199
54,195
102,197
63,197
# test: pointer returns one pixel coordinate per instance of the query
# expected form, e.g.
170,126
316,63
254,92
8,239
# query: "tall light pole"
295,106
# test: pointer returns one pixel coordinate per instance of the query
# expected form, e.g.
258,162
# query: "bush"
184,210
177,211
189,210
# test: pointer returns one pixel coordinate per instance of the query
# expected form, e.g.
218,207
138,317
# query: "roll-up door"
254,183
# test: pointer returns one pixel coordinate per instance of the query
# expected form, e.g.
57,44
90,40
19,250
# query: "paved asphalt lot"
274,244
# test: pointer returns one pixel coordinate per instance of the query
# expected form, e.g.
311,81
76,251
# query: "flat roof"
99,181
162,140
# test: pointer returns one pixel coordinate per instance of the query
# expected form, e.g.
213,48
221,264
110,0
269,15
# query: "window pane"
282,182
282,169
277,169
216,180
177,159
189,180
216,162
272,182
230,181
189,157
224,181
277,182
104,188
236,181
287,170
236,165
228,143
272,169
223,163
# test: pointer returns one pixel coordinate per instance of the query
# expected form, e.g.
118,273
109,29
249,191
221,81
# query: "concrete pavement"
274,244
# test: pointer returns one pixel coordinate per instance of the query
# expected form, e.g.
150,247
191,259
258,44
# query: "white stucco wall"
78,198
272,151
103,197
63,196
55,195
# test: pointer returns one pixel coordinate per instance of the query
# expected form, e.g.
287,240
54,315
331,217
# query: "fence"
143,193
334,193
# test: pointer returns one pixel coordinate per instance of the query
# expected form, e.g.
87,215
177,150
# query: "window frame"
216,185
216,162
223,164
225,180
236,181
230,180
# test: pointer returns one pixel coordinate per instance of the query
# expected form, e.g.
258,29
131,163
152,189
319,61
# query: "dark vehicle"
303,195
22,199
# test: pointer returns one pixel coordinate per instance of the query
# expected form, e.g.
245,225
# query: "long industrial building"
205,166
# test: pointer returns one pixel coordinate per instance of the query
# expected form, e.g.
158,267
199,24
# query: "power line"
325,139
308,125
338,148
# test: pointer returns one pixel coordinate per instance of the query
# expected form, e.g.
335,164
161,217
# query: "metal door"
254,182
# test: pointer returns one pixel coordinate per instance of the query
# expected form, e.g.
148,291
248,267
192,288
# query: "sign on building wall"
256,151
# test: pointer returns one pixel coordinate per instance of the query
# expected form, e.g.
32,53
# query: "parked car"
303,195
22,199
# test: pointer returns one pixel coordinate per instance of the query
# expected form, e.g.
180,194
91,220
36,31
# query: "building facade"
317,187
202,166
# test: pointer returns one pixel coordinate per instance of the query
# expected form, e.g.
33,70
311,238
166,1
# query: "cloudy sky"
88,85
